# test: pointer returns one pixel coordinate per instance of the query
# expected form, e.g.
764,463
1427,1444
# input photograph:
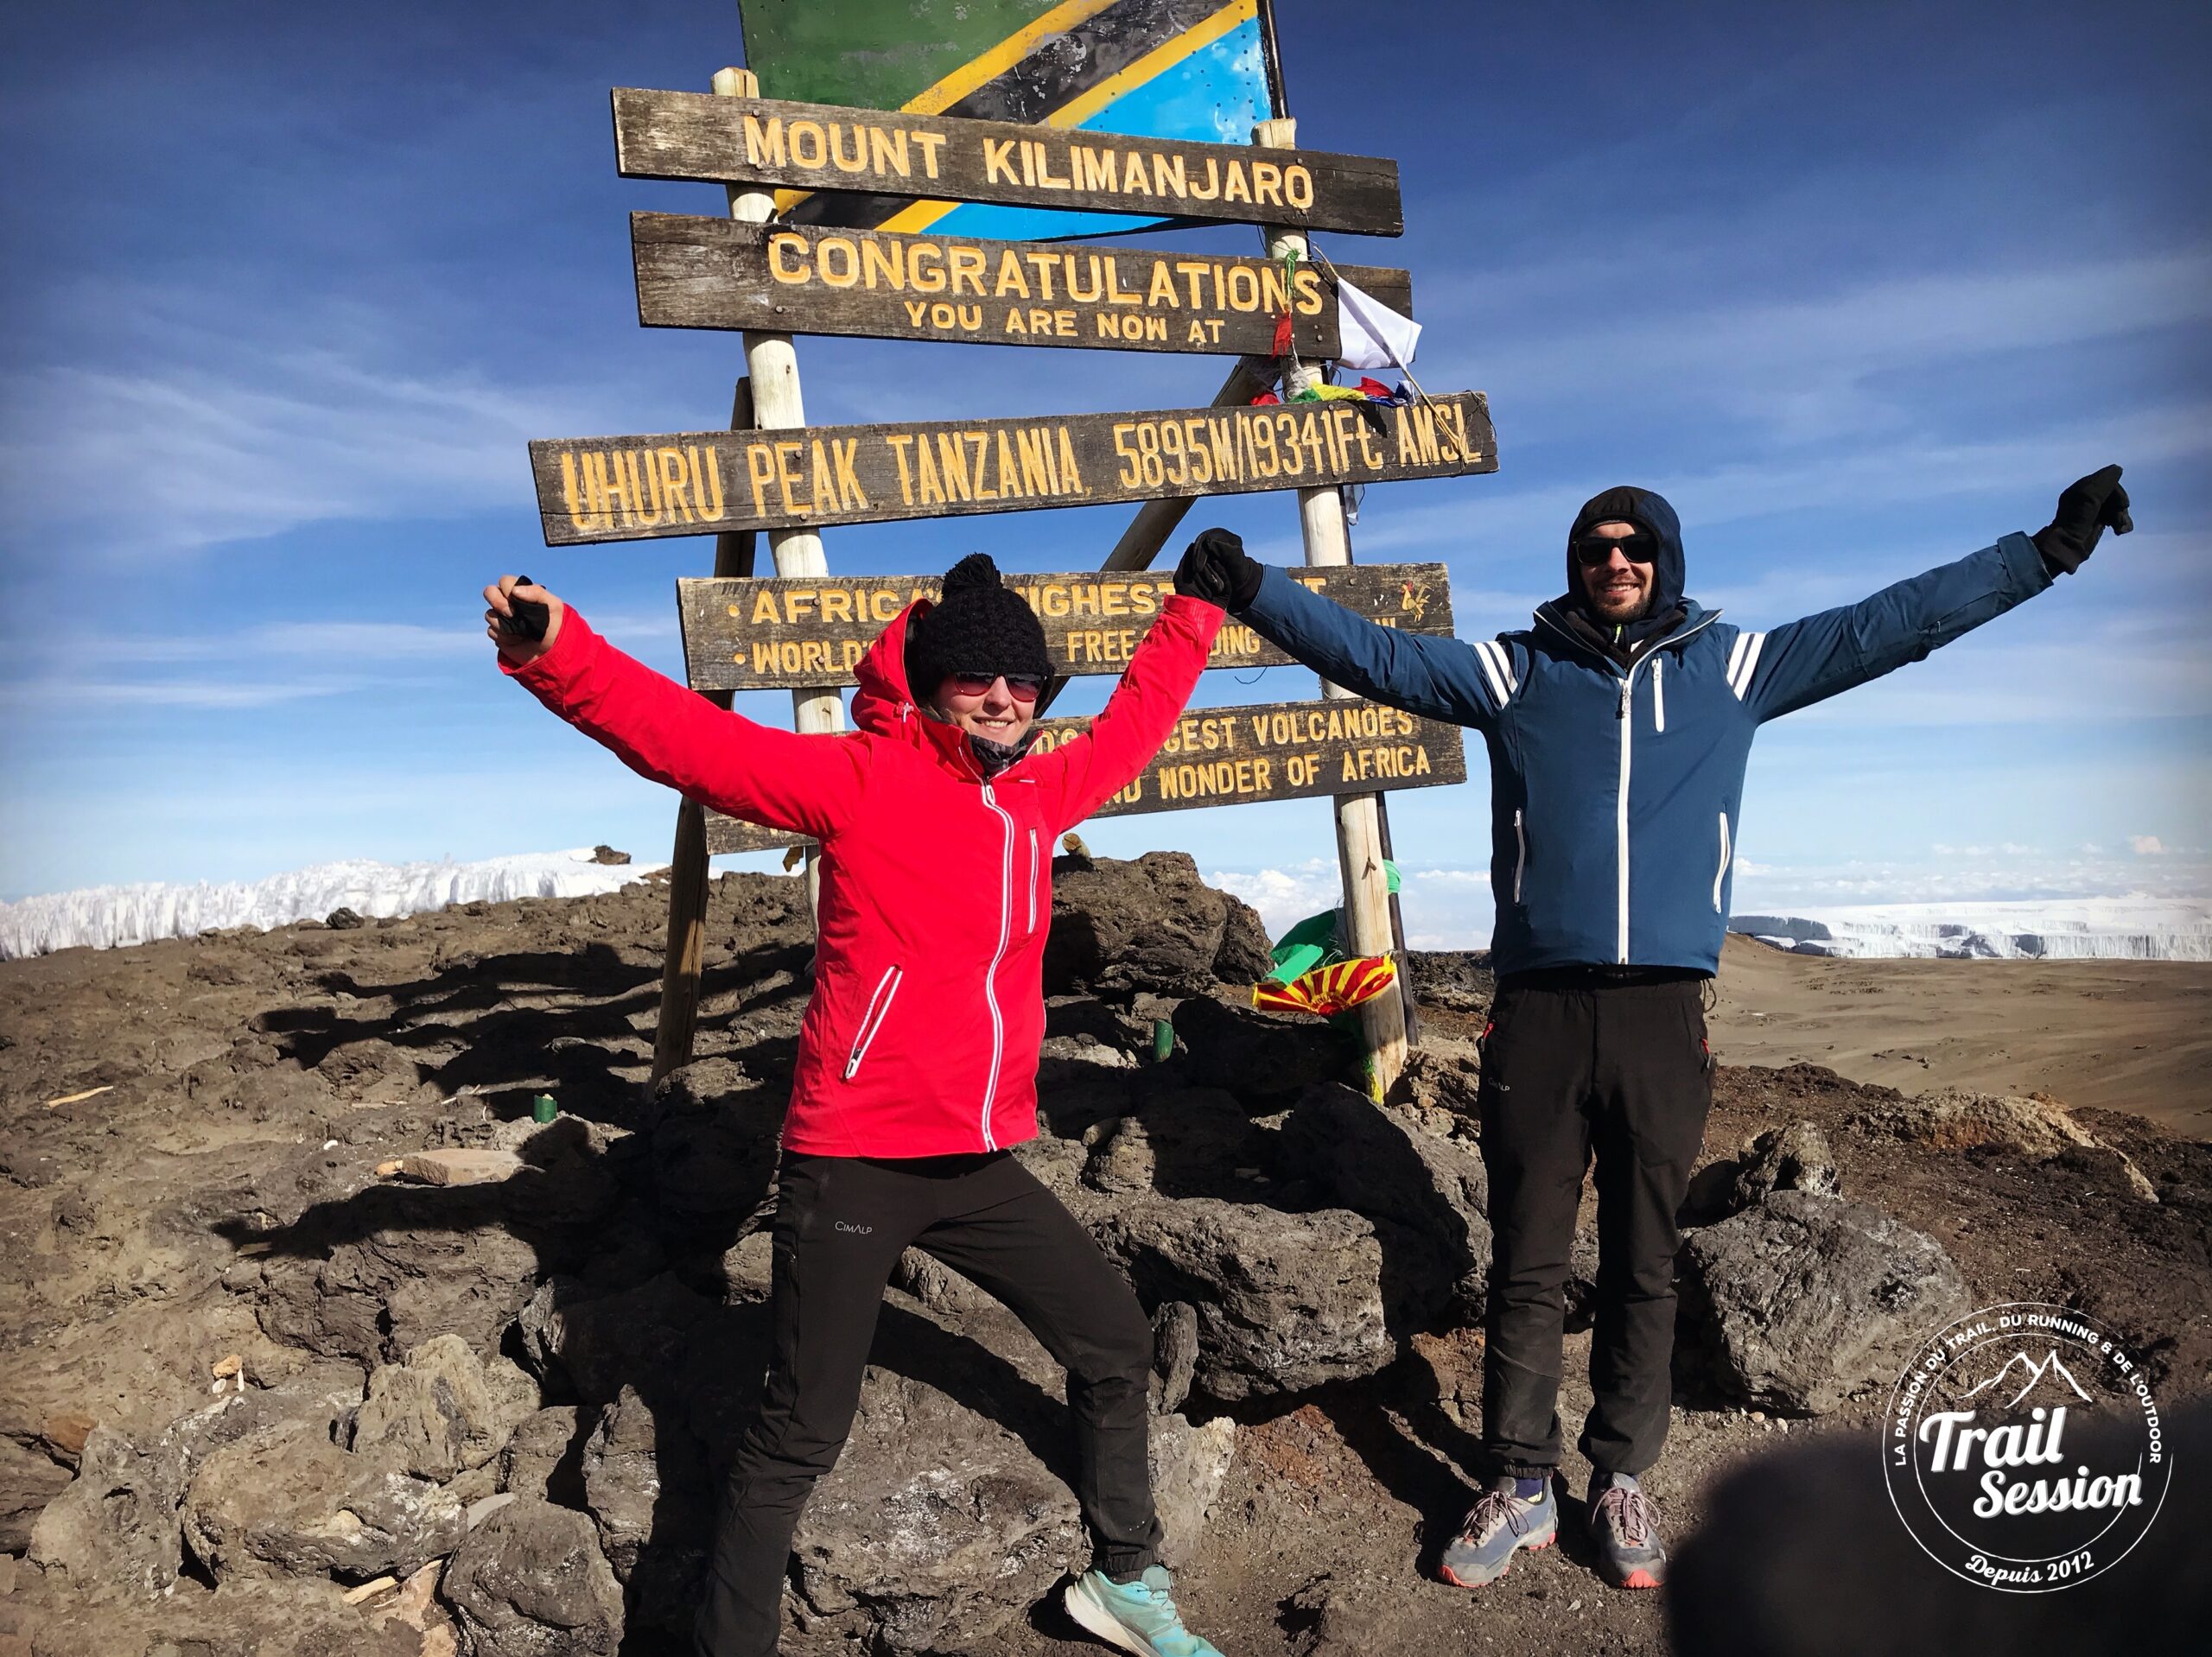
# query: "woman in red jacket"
917,1062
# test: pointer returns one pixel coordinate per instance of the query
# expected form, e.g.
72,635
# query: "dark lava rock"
530,1582
1262,1057
1148,925
1285,1302
1428,1197
1803,1301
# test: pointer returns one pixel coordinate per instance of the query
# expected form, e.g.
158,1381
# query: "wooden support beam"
1360,855
1156,520
687,871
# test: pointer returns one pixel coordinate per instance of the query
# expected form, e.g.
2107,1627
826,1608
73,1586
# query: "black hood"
1650,512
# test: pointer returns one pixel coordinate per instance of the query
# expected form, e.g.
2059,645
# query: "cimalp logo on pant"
858,1231
2023,1449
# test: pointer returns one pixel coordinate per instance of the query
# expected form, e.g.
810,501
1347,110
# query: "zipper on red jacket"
879,1009
1033,880
990,975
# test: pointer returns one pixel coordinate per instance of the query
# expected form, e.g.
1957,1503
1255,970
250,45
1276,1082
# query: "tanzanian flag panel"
1190,69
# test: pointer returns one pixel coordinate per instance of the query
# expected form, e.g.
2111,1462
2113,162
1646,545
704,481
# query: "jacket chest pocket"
872,1021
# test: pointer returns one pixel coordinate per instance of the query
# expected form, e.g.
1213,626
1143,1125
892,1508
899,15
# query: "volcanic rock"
1260,1057
1147,924
444,1411
1802,1301
288,1502
1285,1302
530,1582
2032,1124
595,1342
1428,1197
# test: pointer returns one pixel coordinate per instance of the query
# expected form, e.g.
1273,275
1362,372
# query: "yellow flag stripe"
977,70
1000,58
917,216
1153,63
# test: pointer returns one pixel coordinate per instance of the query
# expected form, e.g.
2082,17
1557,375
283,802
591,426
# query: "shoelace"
1494,1505
1634,1516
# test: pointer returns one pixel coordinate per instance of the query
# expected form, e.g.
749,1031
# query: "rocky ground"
315,1342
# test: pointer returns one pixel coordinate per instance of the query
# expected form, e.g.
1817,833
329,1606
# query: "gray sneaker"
1625,1524
1497,1526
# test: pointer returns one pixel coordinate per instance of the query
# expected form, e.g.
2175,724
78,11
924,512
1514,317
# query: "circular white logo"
1989,1456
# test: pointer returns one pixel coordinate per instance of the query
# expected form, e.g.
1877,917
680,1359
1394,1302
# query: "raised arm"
670,733
1164,669
1440,678
1800,662
1805,662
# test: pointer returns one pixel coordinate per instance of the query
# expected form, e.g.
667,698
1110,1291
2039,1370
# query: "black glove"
2086,511
1215,568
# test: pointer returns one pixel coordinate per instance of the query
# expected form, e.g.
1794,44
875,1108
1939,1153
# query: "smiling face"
1618,587
995,712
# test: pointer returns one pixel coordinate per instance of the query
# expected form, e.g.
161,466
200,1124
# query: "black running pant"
1576,1062
841,1225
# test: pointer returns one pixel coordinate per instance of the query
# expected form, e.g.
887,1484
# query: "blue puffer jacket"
1616,792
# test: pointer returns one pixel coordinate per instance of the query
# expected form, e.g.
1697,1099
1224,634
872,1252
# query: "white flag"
1370,333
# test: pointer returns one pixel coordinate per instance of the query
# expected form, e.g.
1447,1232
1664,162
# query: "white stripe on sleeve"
1740,679
1483,648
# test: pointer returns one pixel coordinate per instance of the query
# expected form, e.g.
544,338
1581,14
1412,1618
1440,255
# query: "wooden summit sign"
718,273
691,483
807,632
1241,756
947,159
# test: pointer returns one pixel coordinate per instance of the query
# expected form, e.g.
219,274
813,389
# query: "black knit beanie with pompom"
977,626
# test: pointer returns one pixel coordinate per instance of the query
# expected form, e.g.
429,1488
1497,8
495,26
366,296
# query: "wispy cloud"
1811,367
183,424
94,695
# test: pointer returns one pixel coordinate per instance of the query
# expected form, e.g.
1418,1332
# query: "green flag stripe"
1063,68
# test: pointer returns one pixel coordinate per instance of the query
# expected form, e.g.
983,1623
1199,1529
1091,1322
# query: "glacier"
2134,928
107,917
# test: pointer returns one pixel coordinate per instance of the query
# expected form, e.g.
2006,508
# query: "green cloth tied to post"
1319,939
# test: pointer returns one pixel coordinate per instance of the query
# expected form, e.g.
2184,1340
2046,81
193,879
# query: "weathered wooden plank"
715,273
942,158
695,483
1241,756
811,631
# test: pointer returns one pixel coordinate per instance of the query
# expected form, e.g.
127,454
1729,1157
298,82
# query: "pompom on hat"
977,626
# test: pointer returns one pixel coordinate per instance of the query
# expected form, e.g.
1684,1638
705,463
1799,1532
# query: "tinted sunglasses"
1019,686
1594,551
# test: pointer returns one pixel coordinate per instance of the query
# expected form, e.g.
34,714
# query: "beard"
1616,612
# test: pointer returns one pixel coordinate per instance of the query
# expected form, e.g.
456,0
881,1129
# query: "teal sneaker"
1140,1617
1625,1525
1497,1526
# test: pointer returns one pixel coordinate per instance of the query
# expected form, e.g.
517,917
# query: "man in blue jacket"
1619,728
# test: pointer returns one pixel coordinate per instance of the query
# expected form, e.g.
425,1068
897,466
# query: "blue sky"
1860,288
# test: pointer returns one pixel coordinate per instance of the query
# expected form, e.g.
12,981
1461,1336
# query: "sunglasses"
1595,550
1020,686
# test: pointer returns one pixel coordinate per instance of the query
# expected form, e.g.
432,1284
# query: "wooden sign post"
772,367
1359,834
687,860
772,473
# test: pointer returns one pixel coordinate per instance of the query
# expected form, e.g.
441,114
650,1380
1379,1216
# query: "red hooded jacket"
922,1035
